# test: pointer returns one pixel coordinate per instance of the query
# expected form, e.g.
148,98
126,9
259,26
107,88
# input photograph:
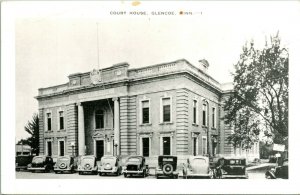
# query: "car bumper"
161,173
36,168
133,172
234,176
191,175
58,169
107,171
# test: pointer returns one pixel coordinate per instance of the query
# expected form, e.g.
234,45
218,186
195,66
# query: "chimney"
204,65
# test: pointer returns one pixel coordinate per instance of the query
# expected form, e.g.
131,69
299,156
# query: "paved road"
28,175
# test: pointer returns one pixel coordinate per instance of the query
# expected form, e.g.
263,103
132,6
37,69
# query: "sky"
53,41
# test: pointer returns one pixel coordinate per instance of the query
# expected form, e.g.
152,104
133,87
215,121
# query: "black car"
22,162
167,167
136,165
41,163
231,167
281,171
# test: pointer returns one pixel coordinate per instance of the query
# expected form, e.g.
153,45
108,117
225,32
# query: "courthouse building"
172,108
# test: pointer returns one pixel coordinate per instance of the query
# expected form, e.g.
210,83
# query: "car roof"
199,156
234,157
109,156
88,156
136,156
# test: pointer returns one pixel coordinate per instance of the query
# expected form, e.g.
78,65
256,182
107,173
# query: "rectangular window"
99,119
166,102
204,113
195,111
49,121
214,117
145,112
146,148
61,120
61,148
49,148
204,145
166,145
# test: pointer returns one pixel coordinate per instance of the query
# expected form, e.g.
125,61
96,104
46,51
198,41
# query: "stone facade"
146,111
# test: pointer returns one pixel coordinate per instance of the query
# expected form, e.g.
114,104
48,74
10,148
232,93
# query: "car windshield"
235,162
198,161
88,160
108,160
38,159
134,159
167,159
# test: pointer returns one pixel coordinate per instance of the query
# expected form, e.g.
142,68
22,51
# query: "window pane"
166,113
194,115
145,115
49,124
213,117
99,119
203,118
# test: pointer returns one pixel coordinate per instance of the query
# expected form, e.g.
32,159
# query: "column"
117,125
81,136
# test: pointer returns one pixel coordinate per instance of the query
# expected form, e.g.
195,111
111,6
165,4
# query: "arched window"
99,119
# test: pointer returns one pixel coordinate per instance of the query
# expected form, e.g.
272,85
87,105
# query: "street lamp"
72,145
116,146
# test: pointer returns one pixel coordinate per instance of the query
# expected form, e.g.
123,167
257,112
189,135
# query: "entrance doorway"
61,148
99,149
166,146
146,148
194,146
49,148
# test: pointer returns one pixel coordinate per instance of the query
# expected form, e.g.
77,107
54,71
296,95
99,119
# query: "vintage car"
281,171
136,165
197,166
167,167
232,167
64,164
110,165
22,162
87,164
41,163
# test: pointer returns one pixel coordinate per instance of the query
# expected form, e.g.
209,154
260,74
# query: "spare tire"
168,169
62,165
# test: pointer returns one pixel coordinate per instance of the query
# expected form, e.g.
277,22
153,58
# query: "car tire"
144,174
79,173
125,174
55,172
167,169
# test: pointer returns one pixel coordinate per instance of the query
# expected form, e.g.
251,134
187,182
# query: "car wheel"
125,174
79,173
55,172
168,169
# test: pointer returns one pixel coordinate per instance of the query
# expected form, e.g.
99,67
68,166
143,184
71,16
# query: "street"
253,174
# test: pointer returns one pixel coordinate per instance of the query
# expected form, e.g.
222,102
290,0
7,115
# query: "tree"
260,98
32,128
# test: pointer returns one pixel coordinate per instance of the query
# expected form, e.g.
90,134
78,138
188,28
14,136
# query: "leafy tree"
32,128
260,98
